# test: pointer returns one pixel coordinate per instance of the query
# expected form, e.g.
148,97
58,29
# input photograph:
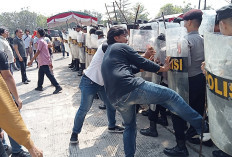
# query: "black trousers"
23,65
153,115
197,87
44,70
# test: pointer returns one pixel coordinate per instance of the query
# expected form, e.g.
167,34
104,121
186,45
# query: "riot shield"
94,39
66,45
155,26
208,21
168,25
139,40
177,48
181,23
160,47
218,59
80,39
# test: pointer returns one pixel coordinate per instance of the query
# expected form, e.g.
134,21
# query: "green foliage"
23,19
94,14
128,11
142,14
169,9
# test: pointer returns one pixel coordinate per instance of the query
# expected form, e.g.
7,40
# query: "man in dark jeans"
124,90
2,150
45,62
21,56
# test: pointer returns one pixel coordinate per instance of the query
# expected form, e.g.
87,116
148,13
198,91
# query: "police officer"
224,17
197,84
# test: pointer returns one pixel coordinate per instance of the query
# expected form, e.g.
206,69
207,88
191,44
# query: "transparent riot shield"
218,59
181,23
155,26
168,25
66,45
208,21
139,41
160,48
94,39
177,48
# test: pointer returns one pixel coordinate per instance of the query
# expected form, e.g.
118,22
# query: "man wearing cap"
197,84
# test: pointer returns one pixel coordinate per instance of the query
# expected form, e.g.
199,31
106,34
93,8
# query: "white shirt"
5,47
27,40
34,42
93,71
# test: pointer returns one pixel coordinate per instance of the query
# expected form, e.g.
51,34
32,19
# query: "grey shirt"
21,47
196,53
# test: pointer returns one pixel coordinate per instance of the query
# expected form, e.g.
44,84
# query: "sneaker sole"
74,142
113,131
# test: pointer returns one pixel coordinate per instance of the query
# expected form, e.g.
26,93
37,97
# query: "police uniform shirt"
196,53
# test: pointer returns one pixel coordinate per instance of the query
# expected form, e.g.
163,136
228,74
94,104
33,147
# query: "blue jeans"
2,150
150,93
88,90
16,148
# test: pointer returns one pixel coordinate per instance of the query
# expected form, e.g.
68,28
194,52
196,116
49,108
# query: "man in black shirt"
123,89
21,57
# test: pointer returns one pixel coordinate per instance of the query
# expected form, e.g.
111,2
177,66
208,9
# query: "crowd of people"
107,65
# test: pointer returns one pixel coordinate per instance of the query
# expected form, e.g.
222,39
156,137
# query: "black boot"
80,73
74,65
163,120
180,150
219,153
151,131
71,65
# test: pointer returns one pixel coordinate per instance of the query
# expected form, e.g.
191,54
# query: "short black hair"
41,32
16,31
115,31
27,30
2,30
92,31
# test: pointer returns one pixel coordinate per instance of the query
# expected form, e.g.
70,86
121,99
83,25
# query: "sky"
52,7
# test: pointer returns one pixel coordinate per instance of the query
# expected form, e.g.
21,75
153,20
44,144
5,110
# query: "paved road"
50,119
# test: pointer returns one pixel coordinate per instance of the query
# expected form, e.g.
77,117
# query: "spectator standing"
21,57
28,43
5,47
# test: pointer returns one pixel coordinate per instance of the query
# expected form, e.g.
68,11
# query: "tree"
187,7
124,6
169,9
23,20
94,14
142,14
41,21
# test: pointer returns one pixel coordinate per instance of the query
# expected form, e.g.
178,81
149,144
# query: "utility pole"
199,6
205,5
115,13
